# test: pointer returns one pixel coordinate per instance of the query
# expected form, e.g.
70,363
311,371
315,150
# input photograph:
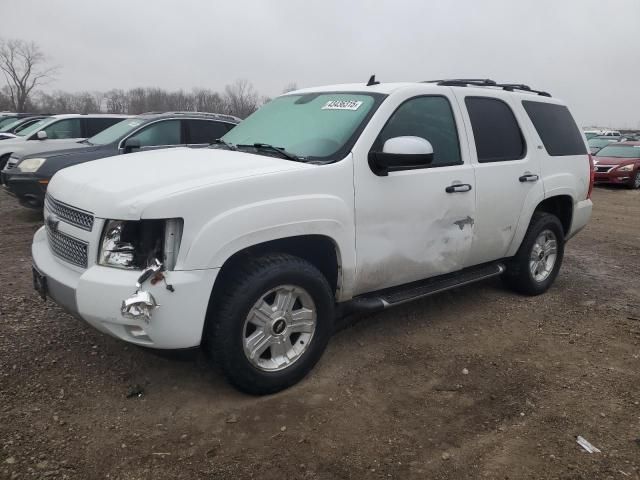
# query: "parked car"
597,143
27,174
10,129
8,118
55,128
326,201
619,163
610,133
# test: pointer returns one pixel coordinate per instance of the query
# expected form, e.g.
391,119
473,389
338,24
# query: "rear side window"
495,130
68,128
205,131
556,128
96,125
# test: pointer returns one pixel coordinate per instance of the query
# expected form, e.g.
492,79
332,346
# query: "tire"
635,182
231,334
529,278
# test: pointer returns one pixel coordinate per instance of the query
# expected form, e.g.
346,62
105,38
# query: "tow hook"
141,304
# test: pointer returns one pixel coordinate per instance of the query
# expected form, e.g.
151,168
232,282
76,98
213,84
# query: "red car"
618,163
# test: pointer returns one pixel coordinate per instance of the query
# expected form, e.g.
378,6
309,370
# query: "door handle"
529,177
458,188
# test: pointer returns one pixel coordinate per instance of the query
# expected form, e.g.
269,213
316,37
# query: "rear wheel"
536,265
271,322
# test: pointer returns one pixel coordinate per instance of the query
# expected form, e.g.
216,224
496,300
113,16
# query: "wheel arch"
321,251
561,205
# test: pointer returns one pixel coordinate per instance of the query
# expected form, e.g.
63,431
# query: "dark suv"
27,175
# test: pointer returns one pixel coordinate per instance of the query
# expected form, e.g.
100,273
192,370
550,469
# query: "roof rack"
486,82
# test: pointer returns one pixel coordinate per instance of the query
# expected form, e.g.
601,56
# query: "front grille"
604,168
68,248
79,218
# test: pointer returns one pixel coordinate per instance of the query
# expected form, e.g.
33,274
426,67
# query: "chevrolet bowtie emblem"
52,222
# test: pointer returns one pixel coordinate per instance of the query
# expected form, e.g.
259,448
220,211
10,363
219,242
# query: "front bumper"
614,177
95,295
28,187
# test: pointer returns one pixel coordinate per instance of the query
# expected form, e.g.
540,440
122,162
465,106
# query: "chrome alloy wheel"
543,255
636,180
279,328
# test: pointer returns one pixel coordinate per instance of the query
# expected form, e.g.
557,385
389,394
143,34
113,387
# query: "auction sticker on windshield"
342,105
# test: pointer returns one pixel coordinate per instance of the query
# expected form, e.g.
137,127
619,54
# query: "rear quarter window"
556,128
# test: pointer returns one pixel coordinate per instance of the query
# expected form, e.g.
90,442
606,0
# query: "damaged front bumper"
96,295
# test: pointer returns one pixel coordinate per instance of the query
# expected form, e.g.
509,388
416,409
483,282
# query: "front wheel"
536,265
635,182
270,323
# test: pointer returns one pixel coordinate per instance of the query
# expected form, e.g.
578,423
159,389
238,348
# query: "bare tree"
22,64
241,98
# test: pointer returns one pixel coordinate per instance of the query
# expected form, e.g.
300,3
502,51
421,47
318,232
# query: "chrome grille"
68,248
69,214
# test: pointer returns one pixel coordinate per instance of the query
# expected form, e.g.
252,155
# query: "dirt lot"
388,400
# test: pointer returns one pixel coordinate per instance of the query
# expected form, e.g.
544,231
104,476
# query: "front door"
411,224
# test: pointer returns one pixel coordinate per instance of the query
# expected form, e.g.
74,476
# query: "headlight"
136,244
31,164
625,168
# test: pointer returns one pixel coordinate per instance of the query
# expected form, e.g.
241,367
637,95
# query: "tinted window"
205,131
68,128
430,118
160,133
556,127
495,130
96,125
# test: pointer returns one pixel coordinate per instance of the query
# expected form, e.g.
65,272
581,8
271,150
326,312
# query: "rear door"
507,171
201,133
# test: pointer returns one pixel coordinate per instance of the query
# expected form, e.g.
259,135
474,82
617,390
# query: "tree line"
25,68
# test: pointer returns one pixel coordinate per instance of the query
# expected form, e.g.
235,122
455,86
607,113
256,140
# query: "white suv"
325,202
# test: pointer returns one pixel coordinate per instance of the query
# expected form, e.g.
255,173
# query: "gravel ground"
474,383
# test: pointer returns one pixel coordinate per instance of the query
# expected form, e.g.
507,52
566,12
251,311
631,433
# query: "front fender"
263,221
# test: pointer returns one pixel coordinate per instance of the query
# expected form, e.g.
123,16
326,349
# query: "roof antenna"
372,81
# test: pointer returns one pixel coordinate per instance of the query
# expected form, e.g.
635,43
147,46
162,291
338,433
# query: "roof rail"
486,82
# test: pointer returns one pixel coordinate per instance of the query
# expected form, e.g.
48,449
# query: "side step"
391,297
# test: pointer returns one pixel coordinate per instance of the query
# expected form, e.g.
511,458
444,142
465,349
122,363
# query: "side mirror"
131,144
42,135
401,153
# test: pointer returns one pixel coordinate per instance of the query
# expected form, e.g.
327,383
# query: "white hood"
122,186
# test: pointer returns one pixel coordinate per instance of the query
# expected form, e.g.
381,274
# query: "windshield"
598,142
620,151
5,127
590,135
115,132
7,121
33,127
316,125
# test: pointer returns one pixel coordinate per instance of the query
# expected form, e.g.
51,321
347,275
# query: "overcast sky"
584,51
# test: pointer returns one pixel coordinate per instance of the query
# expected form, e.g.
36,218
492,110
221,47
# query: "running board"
391,297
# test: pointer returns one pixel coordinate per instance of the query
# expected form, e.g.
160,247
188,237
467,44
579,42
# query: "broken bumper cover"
96,294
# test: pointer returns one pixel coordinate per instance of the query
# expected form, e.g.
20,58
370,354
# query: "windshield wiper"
86,140
219,141
280,150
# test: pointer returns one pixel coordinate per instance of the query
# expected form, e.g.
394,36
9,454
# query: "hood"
58,147
121,187
613,160
15,145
